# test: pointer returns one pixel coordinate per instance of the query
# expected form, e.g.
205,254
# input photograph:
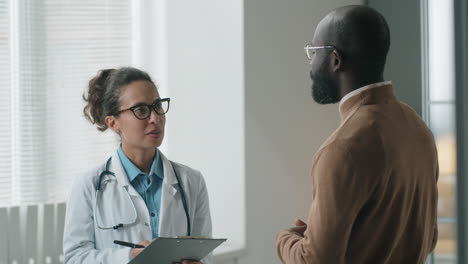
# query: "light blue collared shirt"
150,192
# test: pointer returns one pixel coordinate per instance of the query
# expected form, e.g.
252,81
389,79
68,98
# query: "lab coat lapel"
121,175
122,179
173,219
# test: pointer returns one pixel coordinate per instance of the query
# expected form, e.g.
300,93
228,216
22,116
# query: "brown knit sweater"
374,188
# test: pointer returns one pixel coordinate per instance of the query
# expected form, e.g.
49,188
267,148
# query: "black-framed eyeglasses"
311,50
143,111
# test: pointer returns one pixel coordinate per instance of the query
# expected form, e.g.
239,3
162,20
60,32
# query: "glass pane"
445,251
441,51
442,123
446,203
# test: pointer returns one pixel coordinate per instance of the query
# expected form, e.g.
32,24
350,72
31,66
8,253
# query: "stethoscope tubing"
99,193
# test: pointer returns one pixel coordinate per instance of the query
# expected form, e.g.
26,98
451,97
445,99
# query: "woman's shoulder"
89,176
190,177
185,170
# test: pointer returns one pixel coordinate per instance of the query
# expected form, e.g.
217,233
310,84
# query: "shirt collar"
133,171
362,89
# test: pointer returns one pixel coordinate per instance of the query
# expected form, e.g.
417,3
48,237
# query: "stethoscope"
117,226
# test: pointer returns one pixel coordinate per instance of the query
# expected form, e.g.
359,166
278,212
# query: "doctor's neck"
142,158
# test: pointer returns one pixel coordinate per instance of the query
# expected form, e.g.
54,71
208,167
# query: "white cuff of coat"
121,255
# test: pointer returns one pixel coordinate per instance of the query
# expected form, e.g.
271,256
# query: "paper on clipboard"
167,250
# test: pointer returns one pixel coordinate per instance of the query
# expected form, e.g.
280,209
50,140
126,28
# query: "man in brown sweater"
374,180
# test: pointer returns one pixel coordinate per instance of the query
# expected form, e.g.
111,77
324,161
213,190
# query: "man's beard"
324,90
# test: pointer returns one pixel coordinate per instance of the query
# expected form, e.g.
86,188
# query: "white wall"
403,66
194,52
206,86
284,127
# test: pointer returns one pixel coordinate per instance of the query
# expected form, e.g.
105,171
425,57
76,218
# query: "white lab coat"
84,242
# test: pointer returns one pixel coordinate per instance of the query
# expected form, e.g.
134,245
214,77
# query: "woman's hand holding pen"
137,251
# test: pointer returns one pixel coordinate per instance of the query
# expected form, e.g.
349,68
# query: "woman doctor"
137,194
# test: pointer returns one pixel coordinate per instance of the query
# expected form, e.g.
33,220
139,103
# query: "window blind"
58,46
5,112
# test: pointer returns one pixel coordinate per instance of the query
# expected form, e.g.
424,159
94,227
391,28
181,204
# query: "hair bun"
93,111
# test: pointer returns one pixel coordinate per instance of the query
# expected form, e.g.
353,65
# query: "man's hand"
300,227
137,251
189,262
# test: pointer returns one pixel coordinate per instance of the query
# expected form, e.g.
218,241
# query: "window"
5,91
439,112
49,50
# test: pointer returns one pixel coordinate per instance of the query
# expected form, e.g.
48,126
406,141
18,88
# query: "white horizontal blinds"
28,94
83,36
57,46
5,113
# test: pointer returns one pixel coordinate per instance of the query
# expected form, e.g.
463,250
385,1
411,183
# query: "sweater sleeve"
340,191
436,231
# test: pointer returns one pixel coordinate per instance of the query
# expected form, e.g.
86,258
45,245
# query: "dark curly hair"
103,94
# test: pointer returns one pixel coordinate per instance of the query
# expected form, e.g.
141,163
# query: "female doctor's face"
146,134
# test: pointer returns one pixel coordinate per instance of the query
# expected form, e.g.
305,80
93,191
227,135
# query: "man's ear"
112,123
337,61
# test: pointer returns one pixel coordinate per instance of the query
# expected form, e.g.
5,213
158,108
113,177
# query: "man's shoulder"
356,142
358,133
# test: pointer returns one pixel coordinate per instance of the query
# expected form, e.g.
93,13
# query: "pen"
127,244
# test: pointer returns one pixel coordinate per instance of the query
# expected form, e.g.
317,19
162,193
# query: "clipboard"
167,250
